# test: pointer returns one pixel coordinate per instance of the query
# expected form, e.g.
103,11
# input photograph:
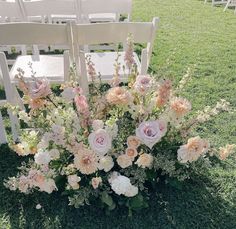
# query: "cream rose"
145,161
124,161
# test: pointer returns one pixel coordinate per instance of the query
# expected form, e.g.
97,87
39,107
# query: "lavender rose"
151,132
40,89
100,141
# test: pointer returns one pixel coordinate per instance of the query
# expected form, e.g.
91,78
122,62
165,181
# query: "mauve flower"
119,96
81,103
100,141
40,89
163,92
151,132
143,84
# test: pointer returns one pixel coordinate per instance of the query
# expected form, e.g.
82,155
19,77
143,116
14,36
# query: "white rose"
106,163
42,158
100,141
151,132
97,124
120,184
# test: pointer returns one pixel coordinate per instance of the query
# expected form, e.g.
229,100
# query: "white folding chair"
54,67
50,10
12,97
218,2
104,10
230,3
10,11
117,32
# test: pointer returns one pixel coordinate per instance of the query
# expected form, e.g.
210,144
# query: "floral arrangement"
112,144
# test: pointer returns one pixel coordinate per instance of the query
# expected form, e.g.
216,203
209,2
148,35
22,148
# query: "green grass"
190,33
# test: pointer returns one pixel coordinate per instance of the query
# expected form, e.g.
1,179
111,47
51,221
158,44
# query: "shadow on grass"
194,204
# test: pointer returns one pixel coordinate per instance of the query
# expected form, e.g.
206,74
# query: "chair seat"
104,64
45,66
102,17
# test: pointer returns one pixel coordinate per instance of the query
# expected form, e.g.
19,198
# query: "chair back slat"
115,32
33,33
10,10
49,7
106,6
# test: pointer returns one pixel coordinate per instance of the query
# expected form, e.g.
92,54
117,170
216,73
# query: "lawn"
191,34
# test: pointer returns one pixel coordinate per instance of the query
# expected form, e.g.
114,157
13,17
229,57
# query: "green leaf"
107,199
137,202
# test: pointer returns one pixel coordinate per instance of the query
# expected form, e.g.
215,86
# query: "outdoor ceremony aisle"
191,35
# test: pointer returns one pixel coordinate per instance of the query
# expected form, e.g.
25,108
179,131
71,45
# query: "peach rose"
119,96
180,106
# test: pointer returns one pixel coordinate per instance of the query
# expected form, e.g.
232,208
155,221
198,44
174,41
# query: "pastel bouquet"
112,145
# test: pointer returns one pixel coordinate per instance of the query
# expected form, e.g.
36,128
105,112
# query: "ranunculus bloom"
40,89
143,84
124,161
86,161
100,141
133,141
131,152
145,160
119,96
151,132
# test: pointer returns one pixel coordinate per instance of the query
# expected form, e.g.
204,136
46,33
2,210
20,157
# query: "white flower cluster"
122,185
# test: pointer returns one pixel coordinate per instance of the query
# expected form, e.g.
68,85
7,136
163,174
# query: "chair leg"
14,125
3,136
227,4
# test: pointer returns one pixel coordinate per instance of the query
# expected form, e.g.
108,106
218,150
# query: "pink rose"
151,132
40,89
143,84
100,141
